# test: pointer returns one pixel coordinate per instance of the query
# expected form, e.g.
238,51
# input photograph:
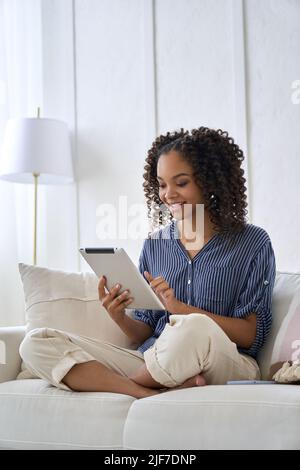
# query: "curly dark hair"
216,161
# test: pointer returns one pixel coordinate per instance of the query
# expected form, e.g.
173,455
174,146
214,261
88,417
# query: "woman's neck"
188,231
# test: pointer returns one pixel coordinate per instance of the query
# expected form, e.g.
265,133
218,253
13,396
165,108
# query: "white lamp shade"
36,145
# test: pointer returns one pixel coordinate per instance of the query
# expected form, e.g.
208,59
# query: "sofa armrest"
10,360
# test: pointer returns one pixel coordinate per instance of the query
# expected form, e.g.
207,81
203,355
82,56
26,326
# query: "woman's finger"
148,276
101,285
114,291
107,298
157,281
162,287
167,293
119,300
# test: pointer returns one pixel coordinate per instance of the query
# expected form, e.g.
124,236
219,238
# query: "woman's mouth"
177,206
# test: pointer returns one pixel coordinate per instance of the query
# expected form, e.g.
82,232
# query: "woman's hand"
164,292
114,302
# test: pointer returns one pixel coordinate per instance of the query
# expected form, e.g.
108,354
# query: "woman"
214,279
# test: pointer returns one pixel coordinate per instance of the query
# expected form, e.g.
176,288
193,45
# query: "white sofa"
35,415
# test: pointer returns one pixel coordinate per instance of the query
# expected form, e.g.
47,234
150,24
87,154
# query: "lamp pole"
35,176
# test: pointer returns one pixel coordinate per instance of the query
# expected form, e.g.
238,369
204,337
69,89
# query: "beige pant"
188,345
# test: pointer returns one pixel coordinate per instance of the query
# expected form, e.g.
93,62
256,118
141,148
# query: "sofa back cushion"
68,301
286,289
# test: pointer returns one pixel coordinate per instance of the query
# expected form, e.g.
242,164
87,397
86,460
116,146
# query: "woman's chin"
179,215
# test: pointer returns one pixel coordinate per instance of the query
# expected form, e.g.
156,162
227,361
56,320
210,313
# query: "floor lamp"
38,151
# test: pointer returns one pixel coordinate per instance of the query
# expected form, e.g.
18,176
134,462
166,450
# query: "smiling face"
177,185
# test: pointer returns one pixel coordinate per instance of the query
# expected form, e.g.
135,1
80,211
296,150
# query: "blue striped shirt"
230,279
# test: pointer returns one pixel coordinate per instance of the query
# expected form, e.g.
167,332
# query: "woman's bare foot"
196,381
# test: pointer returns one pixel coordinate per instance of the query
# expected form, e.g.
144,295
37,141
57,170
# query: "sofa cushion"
216,417
287,287
39,416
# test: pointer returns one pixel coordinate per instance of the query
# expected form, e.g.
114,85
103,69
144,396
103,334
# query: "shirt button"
190,262
266,283
189,281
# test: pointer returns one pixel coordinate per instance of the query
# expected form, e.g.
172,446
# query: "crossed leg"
143,377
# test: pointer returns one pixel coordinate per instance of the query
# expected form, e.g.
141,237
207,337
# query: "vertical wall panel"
194,64
111,110
58,242
273,51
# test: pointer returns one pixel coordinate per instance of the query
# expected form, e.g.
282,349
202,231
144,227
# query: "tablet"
117,267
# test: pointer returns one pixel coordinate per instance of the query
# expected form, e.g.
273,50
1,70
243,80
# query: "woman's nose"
170,194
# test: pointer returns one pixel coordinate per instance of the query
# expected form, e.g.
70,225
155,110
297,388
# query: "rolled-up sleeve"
256,296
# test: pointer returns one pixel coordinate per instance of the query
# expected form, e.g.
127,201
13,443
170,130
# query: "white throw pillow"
67,301
286,287
287,343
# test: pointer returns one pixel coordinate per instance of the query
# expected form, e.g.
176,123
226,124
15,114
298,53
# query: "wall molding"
75,128
240,89
150,76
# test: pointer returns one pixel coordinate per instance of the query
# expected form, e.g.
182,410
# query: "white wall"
122,71
110,110
273,51
60,219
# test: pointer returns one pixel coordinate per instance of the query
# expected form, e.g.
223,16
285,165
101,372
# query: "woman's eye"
179,184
